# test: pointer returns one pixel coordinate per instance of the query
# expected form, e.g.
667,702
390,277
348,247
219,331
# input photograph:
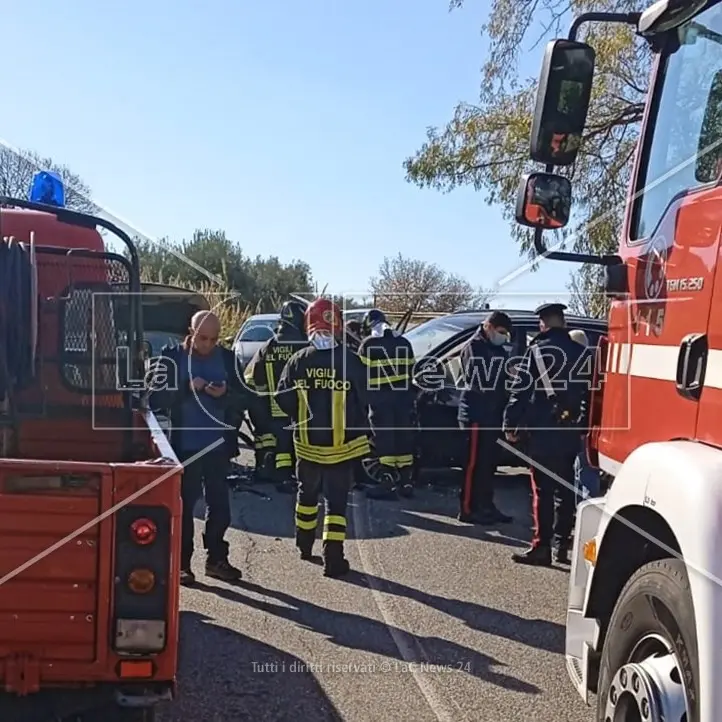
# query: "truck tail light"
143,531
141,581
142,573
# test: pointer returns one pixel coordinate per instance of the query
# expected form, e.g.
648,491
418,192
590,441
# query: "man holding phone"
198,409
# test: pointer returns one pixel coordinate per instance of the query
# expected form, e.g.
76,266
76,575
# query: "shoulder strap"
543,372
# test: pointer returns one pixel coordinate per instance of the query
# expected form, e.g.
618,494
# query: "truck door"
658,340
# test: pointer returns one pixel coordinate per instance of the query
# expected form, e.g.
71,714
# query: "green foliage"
402,283
486,145
209,256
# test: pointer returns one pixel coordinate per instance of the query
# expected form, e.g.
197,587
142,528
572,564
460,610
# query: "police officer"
481,410
389,359
262,375
548,404
323,389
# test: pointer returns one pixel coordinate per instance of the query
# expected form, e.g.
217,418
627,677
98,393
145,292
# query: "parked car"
437,345
255,331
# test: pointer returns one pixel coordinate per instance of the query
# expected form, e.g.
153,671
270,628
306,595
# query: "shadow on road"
538,633
361,633
227,676
273,515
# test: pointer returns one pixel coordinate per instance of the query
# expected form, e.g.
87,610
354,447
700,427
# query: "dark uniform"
551,416
323,391
262,375
353,334
481,411
389,361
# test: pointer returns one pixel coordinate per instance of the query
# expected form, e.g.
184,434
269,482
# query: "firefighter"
481,409
548,404
389,360
323,389
262,375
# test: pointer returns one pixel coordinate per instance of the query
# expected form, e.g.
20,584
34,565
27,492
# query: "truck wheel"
649,669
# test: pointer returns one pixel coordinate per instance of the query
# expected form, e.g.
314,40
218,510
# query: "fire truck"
644,615
89,486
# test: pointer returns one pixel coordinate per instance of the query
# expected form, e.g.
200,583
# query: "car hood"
245,350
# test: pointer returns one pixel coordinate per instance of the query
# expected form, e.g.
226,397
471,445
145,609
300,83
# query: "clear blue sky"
284,122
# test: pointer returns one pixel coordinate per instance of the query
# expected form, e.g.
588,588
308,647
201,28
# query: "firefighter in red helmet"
323,389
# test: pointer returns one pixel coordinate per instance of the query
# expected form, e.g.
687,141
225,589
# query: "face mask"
498,339
378,329
323,340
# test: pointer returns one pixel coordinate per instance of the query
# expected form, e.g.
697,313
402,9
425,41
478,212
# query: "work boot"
334,563
304,543
406,488
187,578
223,570
562,553
537,556
491,515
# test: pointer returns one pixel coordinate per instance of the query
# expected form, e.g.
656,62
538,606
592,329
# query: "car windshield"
257,331
425,337
157,339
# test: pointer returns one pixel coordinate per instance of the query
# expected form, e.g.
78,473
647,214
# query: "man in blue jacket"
201,401
481,411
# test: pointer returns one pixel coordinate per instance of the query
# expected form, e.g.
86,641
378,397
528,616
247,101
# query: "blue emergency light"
47,188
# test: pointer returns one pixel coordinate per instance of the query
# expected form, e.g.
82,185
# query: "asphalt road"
435,623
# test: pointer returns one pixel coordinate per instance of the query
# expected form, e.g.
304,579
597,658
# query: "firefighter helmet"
292,314
371,319
323,315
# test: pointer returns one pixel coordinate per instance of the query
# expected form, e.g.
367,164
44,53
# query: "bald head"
204,331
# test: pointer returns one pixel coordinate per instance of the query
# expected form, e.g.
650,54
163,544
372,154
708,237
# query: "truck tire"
649,664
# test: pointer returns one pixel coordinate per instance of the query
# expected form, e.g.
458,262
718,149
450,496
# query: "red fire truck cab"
89,486
644,619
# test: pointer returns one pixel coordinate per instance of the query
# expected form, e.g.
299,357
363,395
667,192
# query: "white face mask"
323,340
496,338
378,329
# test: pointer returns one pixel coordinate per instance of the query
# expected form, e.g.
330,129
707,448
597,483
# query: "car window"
157,339
257,331
427,336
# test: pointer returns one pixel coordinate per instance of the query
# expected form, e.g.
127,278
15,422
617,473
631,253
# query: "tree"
17,171
486,145
402,283
261,283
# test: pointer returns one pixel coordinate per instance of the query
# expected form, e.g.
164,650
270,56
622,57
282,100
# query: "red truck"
89,486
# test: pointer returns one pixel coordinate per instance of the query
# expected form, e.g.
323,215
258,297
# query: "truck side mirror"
544,201
562,102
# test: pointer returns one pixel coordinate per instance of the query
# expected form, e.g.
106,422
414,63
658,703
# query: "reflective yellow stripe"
330,455
301,509
283,461
303,416
405,460
387,460
334,536
394,362
300,524
276,410
338,416
335,519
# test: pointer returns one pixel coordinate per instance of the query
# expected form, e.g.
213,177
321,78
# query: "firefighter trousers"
284,457
393,430
334,481
477,486
553,483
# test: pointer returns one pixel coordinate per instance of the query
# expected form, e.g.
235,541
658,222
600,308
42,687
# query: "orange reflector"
135,669
141,581
590,551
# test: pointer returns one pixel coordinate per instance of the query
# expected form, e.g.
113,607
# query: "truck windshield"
685,150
